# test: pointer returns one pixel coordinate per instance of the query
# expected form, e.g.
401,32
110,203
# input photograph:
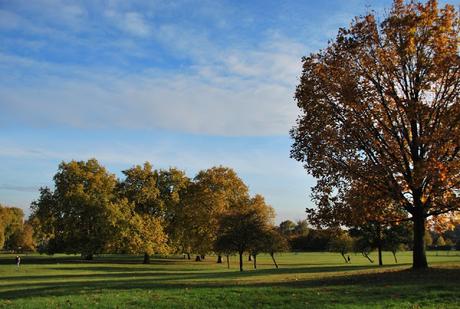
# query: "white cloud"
229,92
135,24
223,90
179,103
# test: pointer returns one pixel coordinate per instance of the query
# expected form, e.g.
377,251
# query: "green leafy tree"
369,237
341,242
287,228
428,239
212,193
301,228
75,217
440,242
173,185
134,232
274,242
239,231
397,237
146,227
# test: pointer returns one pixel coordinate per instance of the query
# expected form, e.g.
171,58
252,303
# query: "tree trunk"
219,259
367,257
202,256
88,257
394,255
228,263
146,258
344,257
249,258
379,243
198,258
255,261
188,256
419,255
273,258
241,261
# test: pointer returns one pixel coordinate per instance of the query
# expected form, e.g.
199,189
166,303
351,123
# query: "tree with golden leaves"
213,193
380,107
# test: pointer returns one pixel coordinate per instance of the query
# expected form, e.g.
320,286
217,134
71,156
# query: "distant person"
18,262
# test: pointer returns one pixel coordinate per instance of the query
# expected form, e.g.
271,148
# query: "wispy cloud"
238,94
130,22
213,89
214,72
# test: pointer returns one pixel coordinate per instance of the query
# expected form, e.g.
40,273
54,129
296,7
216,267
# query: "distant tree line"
365,238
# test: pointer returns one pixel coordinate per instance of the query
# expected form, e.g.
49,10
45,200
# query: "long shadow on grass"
161,280
75,259
185,273
414,284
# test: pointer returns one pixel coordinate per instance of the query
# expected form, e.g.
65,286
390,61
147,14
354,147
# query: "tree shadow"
76,284
76,259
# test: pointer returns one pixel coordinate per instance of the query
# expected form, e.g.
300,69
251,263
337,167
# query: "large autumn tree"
380,110
140,187
173,185
78,216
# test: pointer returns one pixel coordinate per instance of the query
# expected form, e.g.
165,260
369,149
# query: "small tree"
342,243
363,246
243,229
396,238
287,227
428,239
238,232
275,242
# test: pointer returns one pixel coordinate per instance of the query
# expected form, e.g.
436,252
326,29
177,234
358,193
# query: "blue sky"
190,84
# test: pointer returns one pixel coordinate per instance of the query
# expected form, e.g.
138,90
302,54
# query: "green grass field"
304,280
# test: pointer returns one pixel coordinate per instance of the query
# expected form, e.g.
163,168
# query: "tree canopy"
77,216
380,114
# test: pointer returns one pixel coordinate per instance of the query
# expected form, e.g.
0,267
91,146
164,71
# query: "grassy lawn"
313,280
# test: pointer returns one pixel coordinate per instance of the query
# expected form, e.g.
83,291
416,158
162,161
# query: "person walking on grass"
18,261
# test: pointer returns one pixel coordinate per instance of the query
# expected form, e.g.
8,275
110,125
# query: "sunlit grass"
304,279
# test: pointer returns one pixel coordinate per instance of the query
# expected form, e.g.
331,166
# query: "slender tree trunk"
255,261
394,255
241,261
344,257
202,256
249,258
219,259
188,256
198,258
228,263
272,254
379,243
146,258
419,255
367,257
